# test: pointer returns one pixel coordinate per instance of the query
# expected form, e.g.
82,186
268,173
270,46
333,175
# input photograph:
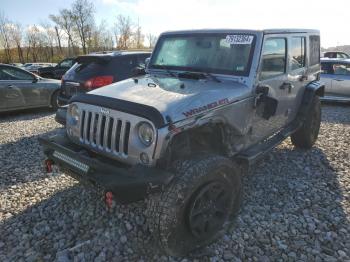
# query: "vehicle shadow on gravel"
21,161
292,210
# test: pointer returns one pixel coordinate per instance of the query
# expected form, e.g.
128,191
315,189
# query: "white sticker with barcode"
239,39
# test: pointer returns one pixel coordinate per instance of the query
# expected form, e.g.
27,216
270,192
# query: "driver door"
20,88
273,74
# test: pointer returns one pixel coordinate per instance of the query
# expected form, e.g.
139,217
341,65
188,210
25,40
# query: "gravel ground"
296,204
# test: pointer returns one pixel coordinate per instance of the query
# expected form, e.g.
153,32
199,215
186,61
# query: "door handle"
286,85
10,86
303,78
339,80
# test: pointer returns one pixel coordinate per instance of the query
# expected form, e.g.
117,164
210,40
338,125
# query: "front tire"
198,206
306,136
54,100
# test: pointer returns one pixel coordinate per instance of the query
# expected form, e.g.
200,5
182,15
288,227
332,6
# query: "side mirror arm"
35,79
265,105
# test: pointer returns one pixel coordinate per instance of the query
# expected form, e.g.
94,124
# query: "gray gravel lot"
296,204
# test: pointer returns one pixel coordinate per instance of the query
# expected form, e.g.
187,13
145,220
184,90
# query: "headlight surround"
74,114
146,133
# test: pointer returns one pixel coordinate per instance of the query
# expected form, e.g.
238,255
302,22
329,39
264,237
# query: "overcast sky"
156,16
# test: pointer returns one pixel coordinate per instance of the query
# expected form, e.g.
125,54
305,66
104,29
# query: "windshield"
212,53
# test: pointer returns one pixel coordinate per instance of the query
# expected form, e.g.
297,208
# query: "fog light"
144,158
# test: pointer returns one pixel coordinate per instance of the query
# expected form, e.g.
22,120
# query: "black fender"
61,115
314,88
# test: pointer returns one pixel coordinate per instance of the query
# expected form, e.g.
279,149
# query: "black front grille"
105,132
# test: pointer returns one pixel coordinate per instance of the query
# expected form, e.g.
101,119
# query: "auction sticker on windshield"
239,39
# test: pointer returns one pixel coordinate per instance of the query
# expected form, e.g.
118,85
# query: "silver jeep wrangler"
211,103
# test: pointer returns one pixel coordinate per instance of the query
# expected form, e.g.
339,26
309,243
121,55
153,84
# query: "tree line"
70,32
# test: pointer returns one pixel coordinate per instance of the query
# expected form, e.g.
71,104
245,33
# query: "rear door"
341,80
297,75
273,73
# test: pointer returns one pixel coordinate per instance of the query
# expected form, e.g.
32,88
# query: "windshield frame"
157,48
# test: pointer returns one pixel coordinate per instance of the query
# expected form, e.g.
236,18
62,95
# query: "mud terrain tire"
198,206
306,136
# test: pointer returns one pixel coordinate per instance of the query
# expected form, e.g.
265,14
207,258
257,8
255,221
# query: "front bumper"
128,184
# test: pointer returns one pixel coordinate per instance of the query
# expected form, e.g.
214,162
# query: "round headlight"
74,113
146,133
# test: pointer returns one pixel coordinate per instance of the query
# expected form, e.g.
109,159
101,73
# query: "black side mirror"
147,61
138,71
265,105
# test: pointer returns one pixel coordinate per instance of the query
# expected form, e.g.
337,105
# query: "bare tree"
16,32
83,17
58,37
107,41
102,38
152,39
139,37
65,21
72,29
34,42
5,36
123,32
49,35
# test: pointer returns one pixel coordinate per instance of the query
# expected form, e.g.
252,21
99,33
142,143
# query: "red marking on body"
206,107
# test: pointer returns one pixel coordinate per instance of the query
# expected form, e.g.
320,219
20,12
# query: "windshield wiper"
167,70
198,75
214,78
191,75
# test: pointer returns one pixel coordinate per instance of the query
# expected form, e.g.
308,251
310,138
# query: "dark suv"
100,69
56,72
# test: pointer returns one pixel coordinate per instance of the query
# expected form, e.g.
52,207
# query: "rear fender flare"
315,88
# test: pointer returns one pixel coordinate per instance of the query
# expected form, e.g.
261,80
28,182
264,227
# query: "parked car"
34,67
17,64
20,89
56,72
336,54
99,69
212,103
335,73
